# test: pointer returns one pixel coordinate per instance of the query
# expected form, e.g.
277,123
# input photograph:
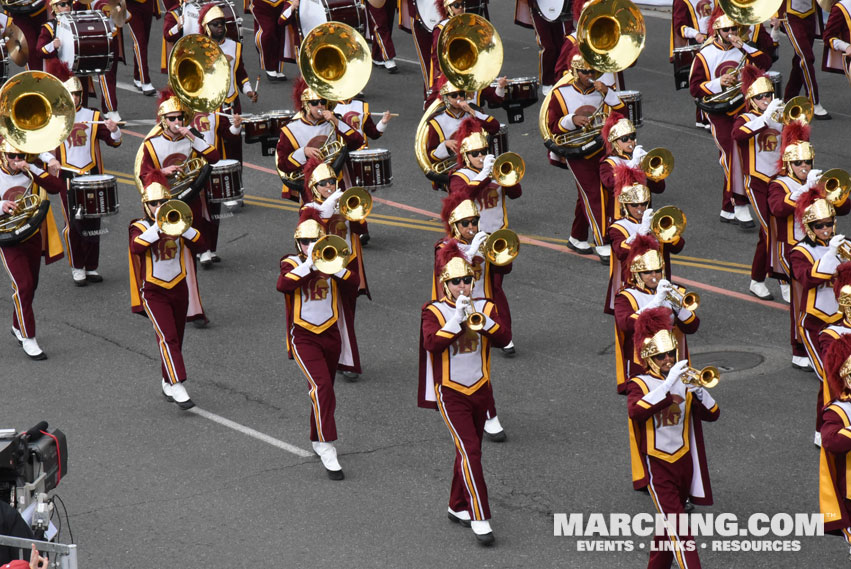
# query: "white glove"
774,106
462,303
660,297
675,374
637,155
487,169
835,242
329,206
644,228
795,194
812,178
309,260
475,245
151,234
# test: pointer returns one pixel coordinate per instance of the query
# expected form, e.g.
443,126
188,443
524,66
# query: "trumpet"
796,109
355,204
501,247
508,169
475,321
331,254
836,184
844,251
174,217
658,164
668,223
707,377
682,298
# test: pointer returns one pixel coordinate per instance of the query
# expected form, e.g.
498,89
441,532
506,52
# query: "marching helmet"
654,335
795,145
167,102
720,19
210,12
470,136
644,255
155,189
310,226
450,263
615,127
755,82
630,187
811,206
302,93
314,172
457,206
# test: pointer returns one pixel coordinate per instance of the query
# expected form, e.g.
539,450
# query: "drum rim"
92,178
370,151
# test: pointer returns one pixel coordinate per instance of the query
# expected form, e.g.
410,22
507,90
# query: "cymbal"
16,45
117,11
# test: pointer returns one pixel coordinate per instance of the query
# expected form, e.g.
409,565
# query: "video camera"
31,463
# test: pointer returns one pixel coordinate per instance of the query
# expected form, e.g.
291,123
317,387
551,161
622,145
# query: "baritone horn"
707,377
469,52
508,169
658,164
836,184
668,223
796,109
501,247
331,254
682,298
355,204
174,217
611,34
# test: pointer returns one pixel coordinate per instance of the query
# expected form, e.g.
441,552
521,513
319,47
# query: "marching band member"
80,155
159,266
107,79
380,20
321,184
30,26
549,35
612,80
571,109
302,138
272,32
48,43
455,379
142,13
633,195
22,260
757,135
645,289
714,71
316,334
690,26
837,40
832,333
473,177
440,141
666,435
619,138
447,9
803,19
834,465
411,22
172,31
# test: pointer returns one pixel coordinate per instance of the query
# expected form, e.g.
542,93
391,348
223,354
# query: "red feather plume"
750,73
836,355
164,96
57,68
298,89
308,169
156,177
626,175
207,7
842,278
716,13
446,253
577,10
649,323
805,200
641,245
441,9
308,213
792,133
611,121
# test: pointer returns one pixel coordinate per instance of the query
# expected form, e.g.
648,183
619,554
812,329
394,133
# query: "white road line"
126,86
251,432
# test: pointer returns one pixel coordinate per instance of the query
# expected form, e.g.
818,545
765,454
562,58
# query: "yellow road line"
371,215
713,267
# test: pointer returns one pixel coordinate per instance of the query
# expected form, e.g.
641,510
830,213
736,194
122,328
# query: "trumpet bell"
475,321
797,109
469,52
501,247
174,217
668,223
658,164
836,184
355,204
750,12
331,254
335,61
707,377
508,169
199,73
611,34
36,112
691,301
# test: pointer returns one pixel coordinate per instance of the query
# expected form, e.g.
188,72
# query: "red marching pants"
722,132
140,31
802,33
317,356
758,194
109,97
590,208
268,35
22,263
550,37
81,237
31,27
381,28
465,417
423,41
669,485
166,308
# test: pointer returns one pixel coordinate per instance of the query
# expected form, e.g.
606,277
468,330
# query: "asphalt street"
152,486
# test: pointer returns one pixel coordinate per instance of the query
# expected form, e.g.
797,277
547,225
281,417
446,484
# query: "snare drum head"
280,113
93,180
311,13
627,95
551,9
226,165
427,13
369,153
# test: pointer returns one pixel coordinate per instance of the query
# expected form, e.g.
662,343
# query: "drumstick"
257,84
394,114
119,123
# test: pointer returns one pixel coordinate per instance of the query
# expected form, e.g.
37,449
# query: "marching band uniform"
380,20
757,135
159,267
162,149
690,21
569,101
709,65
410,21
455,379
632,191
317,337
487,277
303,131
477,183
355,113
80,154
272,32
639,295
666,435
142,13
832,333
837,40
802,26
549,34
22,260
172,31
337,224
108,80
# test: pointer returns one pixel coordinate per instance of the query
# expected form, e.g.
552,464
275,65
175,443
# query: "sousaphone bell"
199,73
335,61
750,12
469,52
610,34
36,112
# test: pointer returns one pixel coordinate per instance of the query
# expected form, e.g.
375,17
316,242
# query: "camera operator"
12,524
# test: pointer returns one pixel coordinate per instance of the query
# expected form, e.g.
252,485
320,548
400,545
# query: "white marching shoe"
483,531
820,113
328,455
167,392
759,290
178,393
206,259
79,276
801,362
581,247
32,350
462,517
494,430
604,252
742,213
786,292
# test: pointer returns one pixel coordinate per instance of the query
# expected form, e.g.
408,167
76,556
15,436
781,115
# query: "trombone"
331,254
668,223
682,298
707,377
174,217
508,169
658,164
355,204
501,247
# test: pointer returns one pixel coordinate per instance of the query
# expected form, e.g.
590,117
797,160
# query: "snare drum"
86,42
311,13
225,181
371,168
256,127
776,80
632,100
498,143
93,197
683,56
554,10
278,120
522,90
427,13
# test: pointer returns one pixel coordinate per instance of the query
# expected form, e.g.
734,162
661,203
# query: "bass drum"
553,10
312,13
86,42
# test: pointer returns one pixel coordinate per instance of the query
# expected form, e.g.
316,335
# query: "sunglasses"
174,118
730,29
62,4
469,222
459,280
217,23
586,71
306,241
318,102
802,162
823,225
15,155
762,96
476,153
627,137
661,357
456,5
457,95
326,182
652,272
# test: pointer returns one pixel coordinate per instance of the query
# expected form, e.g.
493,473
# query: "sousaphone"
335,61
